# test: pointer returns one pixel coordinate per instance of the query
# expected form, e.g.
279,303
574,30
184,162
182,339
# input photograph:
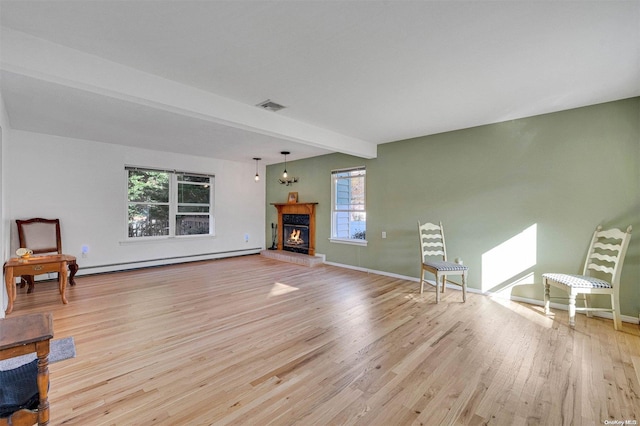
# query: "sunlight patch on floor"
532,313
279,289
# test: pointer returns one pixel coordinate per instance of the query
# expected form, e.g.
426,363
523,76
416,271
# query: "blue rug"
59,350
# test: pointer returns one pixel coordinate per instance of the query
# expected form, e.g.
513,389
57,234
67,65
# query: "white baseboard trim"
560,306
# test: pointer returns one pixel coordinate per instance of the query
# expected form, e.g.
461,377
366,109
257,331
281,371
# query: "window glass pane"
160,198
350,225
148,186
349,193
148,220
193,178
349,207
192,225
190,208
193,194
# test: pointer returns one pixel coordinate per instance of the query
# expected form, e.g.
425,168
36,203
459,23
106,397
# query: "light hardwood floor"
254,341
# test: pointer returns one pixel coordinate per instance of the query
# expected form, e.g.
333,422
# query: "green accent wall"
517,199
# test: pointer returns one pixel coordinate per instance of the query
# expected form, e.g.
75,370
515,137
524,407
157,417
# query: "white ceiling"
184,76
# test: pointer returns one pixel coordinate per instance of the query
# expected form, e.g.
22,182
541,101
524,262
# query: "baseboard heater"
148,263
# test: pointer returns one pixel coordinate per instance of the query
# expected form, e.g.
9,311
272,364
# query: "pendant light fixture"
285,153
285,179
257,178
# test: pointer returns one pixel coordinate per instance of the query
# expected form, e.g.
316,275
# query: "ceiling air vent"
270,105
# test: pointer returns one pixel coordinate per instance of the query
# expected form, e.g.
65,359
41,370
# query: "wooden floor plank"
255,341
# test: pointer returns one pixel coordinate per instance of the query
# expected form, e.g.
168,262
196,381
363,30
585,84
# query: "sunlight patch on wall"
279,289
526,279
510,260
504,290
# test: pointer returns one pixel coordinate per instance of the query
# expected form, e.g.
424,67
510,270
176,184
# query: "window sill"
154,240
352,242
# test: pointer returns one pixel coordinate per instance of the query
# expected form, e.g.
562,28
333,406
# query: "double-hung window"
348,207
168,203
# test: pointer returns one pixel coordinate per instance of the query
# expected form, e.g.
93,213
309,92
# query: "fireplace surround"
297,227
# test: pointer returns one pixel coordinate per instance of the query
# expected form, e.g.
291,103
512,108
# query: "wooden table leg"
11,288
63,282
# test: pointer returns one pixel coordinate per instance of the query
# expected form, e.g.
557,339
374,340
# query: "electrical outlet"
85,250
384,234
246,238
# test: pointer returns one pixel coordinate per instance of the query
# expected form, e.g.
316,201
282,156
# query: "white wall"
83,183
4,222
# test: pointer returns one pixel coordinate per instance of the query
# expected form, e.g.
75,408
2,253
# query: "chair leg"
437,288
615,306
464,287
572,309
30,280
27,280
587,304
546,296
421,281
73,268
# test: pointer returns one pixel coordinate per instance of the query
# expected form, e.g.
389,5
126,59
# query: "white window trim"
163,239
173,207
349,241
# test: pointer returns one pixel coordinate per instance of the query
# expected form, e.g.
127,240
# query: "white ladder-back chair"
604,258
432,245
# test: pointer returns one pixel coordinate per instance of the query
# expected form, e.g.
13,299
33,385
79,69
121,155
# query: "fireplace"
296,222
295,233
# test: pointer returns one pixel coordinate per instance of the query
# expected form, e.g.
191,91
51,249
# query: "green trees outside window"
166,203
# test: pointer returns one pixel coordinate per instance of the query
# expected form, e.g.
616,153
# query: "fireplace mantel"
298,208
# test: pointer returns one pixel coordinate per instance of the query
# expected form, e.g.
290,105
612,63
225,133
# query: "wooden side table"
36,265
22,335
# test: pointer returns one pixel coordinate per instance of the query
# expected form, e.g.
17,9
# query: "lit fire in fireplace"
294,238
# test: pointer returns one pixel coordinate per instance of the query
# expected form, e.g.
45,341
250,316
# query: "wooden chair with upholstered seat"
604,258
432,245
43,237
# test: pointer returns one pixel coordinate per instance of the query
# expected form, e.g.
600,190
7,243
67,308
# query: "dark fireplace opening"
295,233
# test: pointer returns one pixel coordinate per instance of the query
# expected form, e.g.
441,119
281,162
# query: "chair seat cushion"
580,281
19,388
441,265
